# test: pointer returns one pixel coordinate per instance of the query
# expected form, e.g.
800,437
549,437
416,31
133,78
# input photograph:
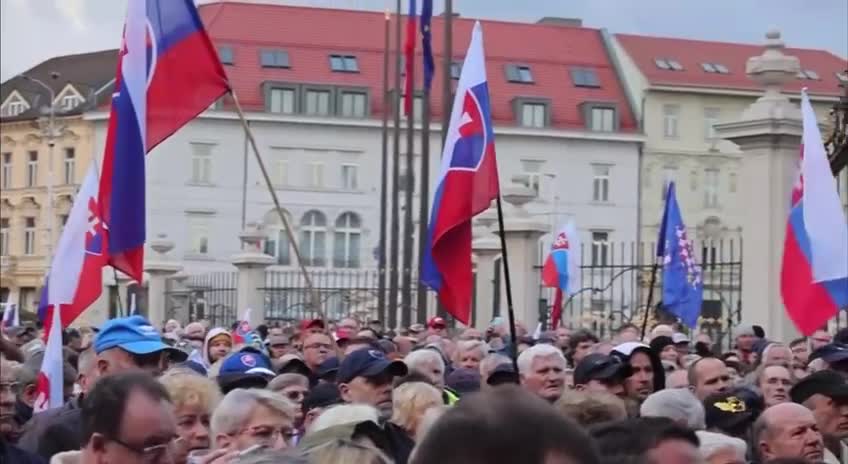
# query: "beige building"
29,228
681,89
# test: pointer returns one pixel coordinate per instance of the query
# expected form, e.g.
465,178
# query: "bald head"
788,430
708,376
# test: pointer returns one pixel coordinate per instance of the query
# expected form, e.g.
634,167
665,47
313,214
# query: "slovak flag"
242,331
467,184
11,317
73,283
562,268
814,275
168,73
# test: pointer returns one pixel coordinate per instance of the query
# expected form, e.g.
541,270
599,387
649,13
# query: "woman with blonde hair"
410,402
470,353
344,451
195,398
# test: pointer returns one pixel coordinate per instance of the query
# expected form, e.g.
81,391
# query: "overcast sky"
34,30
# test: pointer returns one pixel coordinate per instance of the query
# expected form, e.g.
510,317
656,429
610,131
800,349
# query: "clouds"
73,12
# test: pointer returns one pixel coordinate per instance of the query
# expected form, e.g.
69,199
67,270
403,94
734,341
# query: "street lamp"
50,131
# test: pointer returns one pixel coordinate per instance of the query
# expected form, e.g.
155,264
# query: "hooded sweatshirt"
202,357
625,350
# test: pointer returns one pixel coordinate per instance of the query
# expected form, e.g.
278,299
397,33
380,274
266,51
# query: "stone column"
769,135
251,264
159,269
522,242
486,247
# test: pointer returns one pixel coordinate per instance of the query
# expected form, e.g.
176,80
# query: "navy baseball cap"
831,353
368,363
597,366
134,334
503,374
828,383
247,368
328,368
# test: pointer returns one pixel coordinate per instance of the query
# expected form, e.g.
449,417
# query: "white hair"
470,345
235,410
417,359
344,414
677,404
712,442
543,350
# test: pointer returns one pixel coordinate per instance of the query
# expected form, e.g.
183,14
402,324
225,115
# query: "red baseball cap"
309,323
436,323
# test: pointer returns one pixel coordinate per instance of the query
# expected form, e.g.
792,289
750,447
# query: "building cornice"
729,92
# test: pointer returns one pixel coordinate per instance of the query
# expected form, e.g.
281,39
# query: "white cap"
680,338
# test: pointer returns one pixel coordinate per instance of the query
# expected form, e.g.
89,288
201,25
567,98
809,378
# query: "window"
317,102
226,55
808,74
313,236
533,170
282,172
346,241
584,77
668,64
201,163
708,256
26,297
277,244
731,182
600,248
198,239
519,73
13,107
456,69
842,77
715,68
711,116
344,63
69,102
29,236
533,114
603,119
669,176
6,176
274,59
417,107
4,237
600,182
315,177
711,188
282,101
353,104
671,114
70,166
349,177
32,169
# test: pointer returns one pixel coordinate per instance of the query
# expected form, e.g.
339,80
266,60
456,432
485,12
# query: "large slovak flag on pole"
562,268
467,184
814,276
168,73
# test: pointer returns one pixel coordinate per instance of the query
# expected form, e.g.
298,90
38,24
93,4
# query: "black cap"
828,383
464,380
598,366
503,374
368,363
294,365
732,411
324,394
328,368
831,353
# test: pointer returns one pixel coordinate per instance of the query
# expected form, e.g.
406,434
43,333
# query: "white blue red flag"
49,385
11,317
242,330
409,58
562,268
168,73
814,276
467,184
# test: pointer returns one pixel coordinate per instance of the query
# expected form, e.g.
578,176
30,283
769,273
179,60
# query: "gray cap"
743,329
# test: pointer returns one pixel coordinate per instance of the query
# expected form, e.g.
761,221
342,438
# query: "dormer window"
344,63
808,74
668,64
715,68
13,106
519,73
69,102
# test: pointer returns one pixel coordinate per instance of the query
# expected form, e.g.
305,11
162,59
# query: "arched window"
313,238
347,240
277,241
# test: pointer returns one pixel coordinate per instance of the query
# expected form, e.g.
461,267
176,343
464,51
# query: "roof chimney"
556,21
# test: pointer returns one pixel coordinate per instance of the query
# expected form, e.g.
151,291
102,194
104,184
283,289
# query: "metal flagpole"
447,91
409,186
424,202
513,341
395,223
384,179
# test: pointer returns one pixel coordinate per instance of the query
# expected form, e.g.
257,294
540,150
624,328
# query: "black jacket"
61,432
33,432
13,454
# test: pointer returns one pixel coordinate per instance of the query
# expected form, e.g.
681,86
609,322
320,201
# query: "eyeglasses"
9,387
268,435
152,454
318,346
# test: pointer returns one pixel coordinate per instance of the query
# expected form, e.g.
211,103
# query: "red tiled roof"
309,35
692,53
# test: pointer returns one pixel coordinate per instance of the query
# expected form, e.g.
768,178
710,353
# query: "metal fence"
210,296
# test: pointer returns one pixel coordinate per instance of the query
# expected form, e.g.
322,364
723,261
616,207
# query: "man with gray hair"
718,447
248,417
429,363
677,404
542,371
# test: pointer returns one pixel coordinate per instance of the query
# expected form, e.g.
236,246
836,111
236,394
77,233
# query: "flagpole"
395,223
648,306
384,179
315,301
510,311
424,203
408,227
118,295
447,94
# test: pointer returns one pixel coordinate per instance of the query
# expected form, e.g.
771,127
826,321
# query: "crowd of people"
347,391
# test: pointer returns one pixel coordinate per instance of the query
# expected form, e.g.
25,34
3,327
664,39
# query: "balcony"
8,264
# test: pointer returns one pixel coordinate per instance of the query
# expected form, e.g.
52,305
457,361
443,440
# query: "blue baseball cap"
133,334
368,363
247,368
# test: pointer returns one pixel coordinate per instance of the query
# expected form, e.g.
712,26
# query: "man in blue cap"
247,368
365,376
133,343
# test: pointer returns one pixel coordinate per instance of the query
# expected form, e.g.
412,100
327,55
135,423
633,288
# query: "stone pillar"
522,243
769,136
486,248
251,264
159,269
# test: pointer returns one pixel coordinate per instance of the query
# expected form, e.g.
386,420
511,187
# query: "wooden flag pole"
315,301
510,311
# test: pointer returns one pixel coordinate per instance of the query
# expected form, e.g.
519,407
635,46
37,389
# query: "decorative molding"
8,141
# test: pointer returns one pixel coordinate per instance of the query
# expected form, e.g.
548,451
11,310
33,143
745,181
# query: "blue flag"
683,283
426,42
